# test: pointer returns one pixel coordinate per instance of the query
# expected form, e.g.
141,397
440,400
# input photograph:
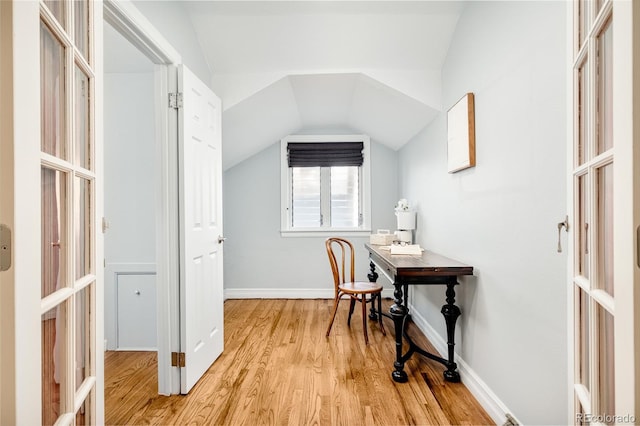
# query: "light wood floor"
279,368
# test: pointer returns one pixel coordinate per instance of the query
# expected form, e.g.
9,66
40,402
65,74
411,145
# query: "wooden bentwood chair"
357,291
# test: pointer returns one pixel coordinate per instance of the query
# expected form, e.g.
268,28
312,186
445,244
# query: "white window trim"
285,189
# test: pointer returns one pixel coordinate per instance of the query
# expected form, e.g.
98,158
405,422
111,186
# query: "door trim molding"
132,24
137,29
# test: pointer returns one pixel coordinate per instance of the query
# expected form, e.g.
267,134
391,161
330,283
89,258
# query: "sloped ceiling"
284,67
258,36
315,103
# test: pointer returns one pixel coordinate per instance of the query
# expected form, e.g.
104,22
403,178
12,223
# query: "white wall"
172,20
130,169
501,216
258,261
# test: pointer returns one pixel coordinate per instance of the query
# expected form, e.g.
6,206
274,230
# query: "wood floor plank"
278,368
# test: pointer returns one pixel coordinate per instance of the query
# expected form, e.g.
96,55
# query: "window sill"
289,233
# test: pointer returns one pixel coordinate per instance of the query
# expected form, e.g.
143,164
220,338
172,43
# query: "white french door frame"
626,233
20,191
133,26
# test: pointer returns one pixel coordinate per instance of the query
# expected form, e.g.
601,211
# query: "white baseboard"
286,293
478,388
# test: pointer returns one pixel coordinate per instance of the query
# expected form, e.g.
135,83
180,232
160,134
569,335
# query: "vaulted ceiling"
320,103
285,67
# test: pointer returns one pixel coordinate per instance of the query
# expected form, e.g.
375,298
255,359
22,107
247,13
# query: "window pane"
52,91
83,416
606,365
599,4
83,228
57,9
306,197
583,228
605,228
81,30
584,6
605,89
581,155
582,334
53,344
345,196
82,355
580,414
54,195
82,105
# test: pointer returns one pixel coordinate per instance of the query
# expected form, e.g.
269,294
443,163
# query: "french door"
604,266
51,360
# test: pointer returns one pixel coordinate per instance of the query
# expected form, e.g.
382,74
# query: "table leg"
451,313
406,294
373,277
398,313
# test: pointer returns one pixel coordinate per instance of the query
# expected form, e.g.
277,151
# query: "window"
325,185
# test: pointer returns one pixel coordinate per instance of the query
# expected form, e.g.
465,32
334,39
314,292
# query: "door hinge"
175,100
177,359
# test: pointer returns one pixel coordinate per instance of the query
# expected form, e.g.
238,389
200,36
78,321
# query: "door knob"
561,225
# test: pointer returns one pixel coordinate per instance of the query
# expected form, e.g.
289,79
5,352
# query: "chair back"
341,257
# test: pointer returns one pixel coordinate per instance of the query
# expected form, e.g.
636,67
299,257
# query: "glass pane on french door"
58,10
82,119
52,92
53,344
593,159
68,213
53,204
81,26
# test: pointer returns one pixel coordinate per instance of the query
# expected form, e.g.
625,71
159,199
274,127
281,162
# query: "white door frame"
626,264
137,29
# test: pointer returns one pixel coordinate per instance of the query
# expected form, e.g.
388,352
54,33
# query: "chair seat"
360,287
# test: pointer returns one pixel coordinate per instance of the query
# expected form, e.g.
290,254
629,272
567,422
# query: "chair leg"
351,307
335,309
379,297
364,319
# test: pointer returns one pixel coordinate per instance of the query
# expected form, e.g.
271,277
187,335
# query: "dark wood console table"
428,269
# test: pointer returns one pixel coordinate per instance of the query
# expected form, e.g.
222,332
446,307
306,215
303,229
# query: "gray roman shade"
325,154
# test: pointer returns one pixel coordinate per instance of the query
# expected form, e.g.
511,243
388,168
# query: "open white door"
200,195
